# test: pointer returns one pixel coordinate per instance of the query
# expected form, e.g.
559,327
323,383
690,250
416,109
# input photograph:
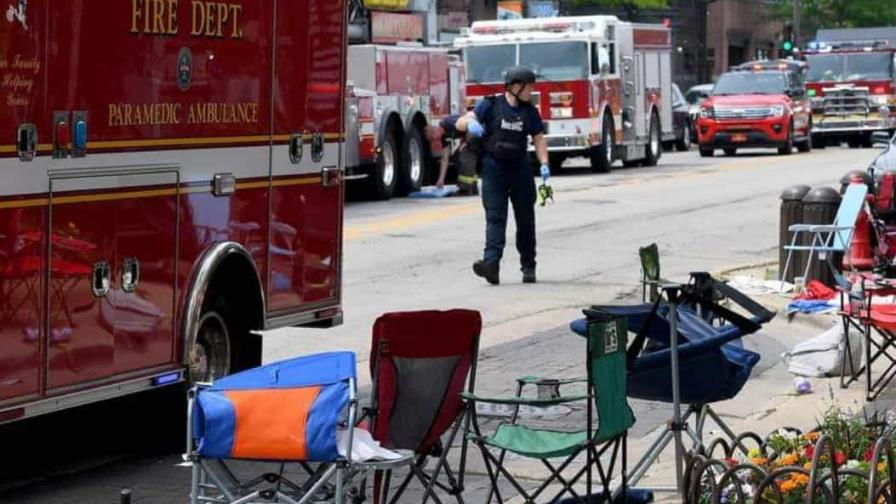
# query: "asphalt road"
705,214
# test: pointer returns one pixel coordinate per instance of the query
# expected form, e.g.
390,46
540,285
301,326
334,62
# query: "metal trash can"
820,207
791,213
846,179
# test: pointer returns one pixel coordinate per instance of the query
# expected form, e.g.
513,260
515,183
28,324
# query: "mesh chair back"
650,267
420,363
285,411
848,213
607,340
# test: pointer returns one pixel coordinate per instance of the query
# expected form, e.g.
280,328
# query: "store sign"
510,9
386,4
542,9
456,20
389,27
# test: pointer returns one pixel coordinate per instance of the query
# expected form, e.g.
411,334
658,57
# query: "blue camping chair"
293,411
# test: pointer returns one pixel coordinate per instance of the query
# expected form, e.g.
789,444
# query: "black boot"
487,270
528,275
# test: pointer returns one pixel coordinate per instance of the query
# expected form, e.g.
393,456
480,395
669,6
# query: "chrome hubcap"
209,356
416,163
388,164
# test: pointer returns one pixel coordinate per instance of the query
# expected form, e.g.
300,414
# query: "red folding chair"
421,362
877,323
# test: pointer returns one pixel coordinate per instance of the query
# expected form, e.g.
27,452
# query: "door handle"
317,147
330,176
26,141
101,279
296,147
130,274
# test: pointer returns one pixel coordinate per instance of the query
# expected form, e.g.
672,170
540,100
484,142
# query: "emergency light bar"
867,45
545,25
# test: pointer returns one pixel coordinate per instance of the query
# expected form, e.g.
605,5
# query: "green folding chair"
606,394
650,272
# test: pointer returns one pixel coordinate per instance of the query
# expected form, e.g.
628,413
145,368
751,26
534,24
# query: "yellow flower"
813,436
790,459
881,467
760,461
754,453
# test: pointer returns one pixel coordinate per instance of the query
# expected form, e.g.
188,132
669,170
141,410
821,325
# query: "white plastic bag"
823,355
364,447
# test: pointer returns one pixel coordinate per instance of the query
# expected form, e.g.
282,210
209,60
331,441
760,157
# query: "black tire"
383,178
210,356
730,151
555,161
414,161
601,156
819,142
805,145
854,143
633,163
684,143
787,148
706,151
654,149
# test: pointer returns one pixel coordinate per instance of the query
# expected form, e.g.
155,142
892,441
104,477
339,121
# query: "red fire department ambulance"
169,183
852,84
395,92
604,86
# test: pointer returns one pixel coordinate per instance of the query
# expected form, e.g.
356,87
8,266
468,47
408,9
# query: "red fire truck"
604,86
169,183
394,93
852,84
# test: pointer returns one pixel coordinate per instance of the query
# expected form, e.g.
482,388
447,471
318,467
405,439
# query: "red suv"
762,108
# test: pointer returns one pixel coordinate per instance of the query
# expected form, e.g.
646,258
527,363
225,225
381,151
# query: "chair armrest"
800,227
522,401
536,380
829,227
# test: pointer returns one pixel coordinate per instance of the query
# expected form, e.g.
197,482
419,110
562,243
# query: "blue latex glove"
475,128
545,172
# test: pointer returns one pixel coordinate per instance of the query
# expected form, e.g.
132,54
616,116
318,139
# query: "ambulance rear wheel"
602,155
654,143
383,177
413,169
209,356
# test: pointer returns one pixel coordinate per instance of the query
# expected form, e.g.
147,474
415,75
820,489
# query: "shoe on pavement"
487,270
528,275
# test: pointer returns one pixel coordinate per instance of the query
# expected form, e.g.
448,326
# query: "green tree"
631,7
815,14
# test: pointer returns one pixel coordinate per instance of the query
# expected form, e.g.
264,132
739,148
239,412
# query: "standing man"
506,122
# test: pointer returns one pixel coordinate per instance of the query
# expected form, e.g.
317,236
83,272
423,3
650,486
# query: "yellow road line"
409,221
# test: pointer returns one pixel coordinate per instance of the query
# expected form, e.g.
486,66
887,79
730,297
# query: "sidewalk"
766,403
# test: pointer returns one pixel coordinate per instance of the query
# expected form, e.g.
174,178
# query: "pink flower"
840,458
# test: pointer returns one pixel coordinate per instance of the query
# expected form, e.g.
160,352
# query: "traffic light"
787,41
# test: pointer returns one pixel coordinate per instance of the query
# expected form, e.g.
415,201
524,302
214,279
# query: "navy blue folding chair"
709,349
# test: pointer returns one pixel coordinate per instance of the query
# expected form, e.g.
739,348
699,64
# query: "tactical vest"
508,133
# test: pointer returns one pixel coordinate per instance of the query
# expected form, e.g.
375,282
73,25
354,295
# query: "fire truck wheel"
684,143
819,142
654,143
413,169
382,180
706,151
209,357
787,148
602,155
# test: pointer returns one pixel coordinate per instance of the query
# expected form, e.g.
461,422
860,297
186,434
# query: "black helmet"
519,75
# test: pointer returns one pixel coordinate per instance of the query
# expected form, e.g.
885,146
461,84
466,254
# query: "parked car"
886,160
682,124
757,108
694,97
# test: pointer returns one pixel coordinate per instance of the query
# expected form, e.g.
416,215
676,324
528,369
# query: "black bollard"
125,496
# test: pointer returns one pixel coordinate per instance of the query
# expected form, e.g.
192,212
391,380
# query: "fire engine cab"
170,183
852,84
604,86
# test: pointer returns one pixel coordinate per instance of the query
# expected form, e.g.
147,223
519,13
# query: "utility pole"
796,23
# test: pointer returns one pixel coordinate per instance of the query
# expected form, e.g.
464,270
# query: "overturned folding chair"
606,395
421,362
294,411
825,240
717,364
